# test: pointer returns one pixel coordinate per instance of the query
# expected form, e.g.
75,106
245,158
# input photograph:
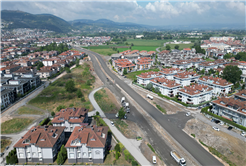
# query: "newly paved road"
174,129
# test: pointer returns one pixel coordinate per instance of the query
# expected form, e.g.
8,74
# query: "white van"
154,159
150,97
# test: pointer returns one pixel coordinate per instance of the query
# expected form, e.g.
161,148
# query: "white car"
221,123
187,114
112,123
243,134
154,159
216,128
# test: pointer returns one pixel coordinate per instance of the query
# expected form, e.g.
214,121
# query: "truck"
181,161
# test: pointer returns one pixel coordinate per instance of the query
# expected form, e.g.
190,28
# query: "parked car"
216,128
154,159
112,123
7,148
230,127
150,97
125,116
212,120
2,154
139,138
217,121
221,123
187,114
117,115
243,134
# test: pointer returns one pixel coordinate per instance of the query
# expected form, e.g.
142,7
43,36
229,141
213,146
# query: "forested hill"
21,19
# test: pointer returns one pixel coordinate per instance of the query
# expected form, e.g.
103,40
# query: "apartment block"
144,78
186,78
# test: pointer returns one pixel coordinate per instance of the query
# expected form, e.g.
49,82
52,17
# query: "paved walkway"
135,152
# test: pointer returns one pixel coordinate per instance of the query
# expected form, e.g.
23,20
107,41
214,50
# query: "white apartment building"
219,85
144,78
186,78
7,97
195,94
167,87
182,64
70,118
40,144
87,144
168,73
231,109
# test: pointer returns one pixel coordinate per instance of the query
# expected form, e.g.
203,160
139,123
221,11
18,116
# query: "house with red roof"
121,64
144,63
186,78
87,144
167,87
195,94
40,144
70,118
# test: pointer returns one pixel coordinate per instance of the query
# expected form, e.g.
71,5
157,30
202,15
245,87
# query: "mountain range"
20,19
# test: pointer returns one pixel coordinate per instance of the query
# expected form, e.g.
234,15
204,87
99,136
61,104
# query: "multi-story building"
7,97
186,78
121,64
144,63
166,87
87,144
195,94
40,144
182,64
241,95
144,78
168,73
70,118
231,109
219,85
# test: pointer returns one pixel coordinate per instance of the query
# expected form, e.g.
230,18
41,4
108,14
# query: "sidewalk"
127,143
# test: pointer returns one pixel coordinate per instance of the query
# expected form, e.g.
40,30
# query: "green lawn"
143,42
55,94
140,48
27,110
104,51
15,125
207,59
133,75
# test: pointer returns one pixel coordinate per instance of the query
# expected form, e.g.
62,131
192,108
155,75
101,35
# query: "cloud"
152,13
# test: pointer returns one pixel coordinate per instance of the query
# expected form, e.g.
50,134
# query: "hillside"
21,19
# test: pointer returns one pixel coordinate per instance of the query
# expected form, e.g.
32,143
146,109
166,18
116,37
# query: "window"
28,155
21,155
33,154
40,159
39,154
71,149
89,149
71,155
79,156
39,149
84,154
21,149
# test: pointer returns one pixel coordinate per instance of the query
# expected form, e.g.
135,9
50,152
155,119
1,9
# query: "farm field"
181,46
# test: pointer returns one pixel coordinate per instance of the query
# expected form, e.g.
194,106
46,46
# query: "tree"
117,148
176,47
199,49
79,93
97,113
67,69
62,155
53,113
60,158
227,56
232,74
125,71
60,107
157,90
70,86
12,157
134,163
88,82
77,62
40,64
149,86
121,113
168,47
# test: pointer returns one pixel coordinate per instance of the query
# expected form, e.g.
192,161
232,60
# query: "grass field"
133,75
4,144
181,46
104,101
105,51
26,110
142,42
207,59
140,48
110,158
55,94
15,125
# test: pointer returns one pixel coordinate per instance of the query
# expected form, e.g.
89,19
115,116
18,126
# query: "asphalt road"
171,124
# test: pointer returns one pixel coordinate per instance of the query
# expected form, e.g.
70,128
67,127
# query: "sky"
142,12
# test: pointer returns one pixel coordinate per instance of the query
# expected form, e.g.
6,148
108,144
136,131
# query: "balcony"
189,102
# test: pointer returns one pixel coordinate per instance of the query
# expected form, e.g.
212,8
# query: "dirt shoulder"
232,148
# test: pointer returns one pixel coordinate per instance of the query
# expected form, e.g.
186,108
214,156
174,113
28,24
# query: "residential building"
144,78
182,64
40,144
195,94
168,73
219,85
241,95
144,63
70,118
87,144
11,68
186,78
231,109
7,97
167,87
122,64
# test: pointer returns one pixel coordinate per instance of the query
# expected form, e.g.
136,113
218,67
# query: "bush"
53,113
88,82
79,93
71,105
60,107
149,86
153,150
70,86
128,156
97,113
83,99
193,135
62,155
117,148
134,163
121,113
44,122
117,155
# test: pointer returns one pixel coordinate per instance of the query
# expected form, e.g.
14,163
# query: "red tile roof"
149,74
215,80
186,74
92,136
41,136
195,89
165,82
